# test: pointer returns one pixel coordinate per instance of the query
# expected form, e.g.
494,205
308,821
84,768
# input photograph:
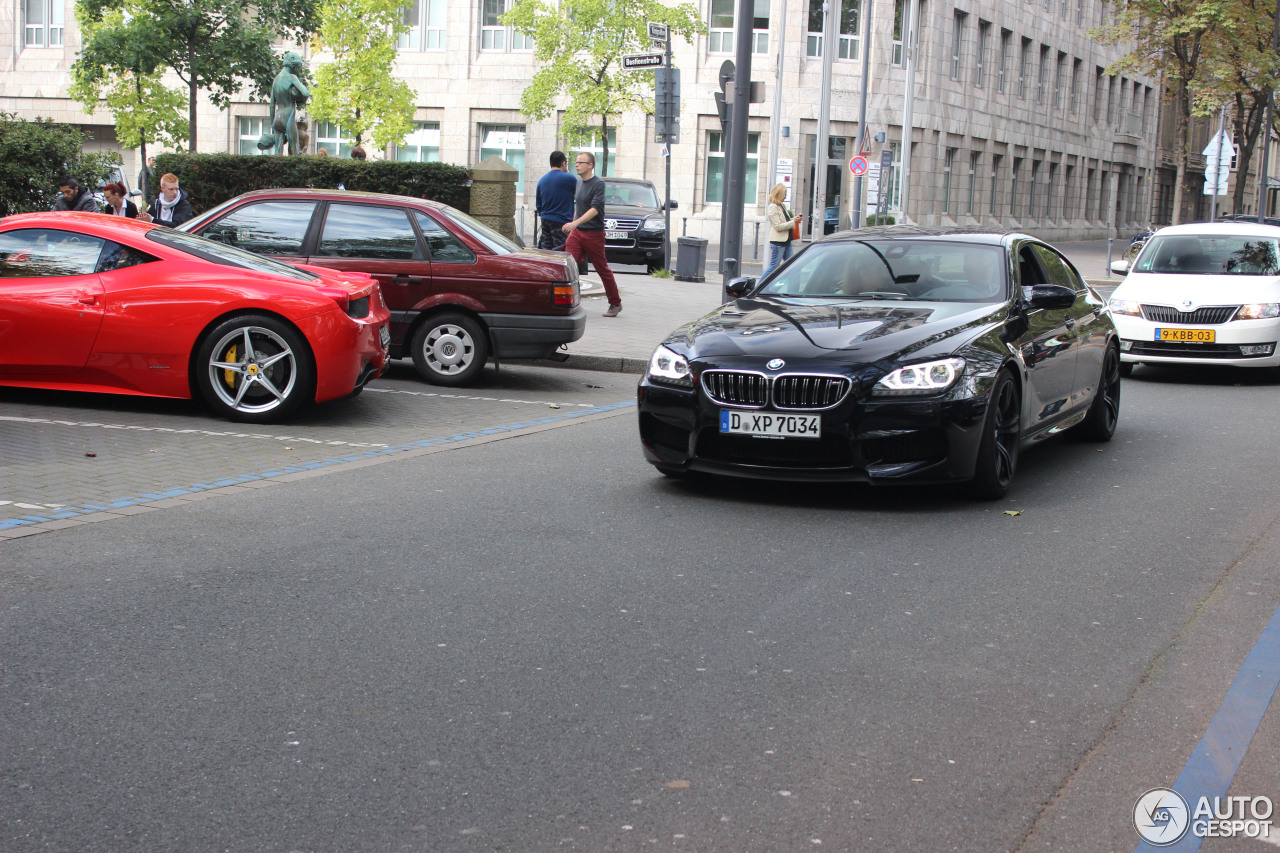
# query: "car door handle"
88,299
406,279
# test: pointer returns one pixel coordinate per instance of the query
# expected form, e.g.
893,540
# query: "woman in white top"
781,223
117,204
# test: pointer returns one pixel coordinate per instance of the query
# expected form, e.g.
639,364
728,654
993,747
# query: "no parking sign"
858,165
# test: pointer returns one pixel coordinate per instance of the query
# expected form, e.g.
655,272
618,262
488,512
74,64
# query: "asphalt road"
528,641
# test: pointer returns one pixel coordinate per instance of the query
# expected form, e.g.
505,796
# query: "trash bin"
691,259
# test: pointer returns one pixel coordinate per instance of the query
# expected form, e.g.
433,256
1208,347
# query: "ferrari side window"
47,252
117,257
368,231
265,228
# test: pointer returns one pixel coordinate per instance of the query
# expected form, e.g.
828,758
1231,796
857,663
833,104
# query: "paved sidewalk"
654,307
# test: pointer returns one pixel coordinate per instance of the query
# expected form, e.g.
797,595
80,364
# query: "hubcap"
449,349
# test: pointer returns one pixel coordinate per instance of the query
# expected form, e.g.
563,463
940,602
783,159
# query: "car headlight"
654,226
927,378
1125,306
1258,311
670,367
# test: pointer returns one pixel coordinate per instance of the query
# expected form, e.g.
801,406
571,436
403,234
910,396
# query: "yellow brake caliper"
229,376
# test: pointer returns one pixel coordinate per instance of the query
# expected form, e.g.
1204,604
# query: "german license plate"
1190,336
384,334
770,424
616,235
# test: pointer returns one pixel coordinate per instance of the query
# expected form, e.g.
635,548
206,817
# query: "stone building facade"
1014,123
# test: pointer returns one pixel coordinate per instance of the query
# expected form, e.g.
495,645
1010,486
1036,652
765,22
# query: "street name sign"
642,61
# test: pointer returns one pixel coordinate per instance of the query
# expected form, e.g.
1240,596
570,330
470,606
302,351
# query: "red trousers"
589,245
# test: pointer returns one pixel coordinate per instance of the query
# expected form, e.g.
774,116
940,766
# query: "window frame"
51,29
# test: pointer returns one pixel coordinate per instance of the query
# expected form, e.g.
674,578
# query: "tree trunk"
1182,134
604,143
1248,127
191,112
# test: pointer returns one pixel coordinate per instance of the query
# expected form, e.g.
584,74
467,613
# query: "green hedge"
34,155
211,179
880,219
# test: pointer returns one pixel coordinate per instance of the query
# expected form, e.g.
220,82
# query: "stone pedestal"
493,194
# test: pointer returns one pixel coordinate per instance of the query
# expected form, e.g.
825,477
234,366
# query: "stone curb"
601,363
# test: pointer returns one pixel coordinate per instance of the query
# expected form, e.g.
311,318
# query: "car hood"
868,330
1199,290
626,211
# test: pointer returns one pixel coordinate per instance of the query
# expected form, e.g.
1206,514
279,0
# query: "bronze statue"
288,93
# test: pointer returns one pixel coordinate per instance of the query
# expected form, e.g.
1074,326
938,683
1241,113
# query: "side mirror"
1052,297
739,287
1120,267
673,205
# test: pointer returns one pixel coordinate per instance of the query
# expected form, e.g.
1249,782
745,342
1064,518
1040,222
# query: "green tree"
1170,39
1241,70
357,89
144,109
220,46
35,154
579,44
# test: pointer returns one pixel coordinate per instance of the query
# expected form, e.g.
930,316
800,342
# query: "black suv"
634,223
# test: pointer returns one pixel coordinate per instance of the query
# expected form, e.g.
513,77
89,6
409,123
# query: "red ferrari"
97,303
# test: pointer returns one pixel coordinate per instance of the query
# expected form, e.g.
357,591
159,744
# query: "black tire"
254,369
450,349
997,460
1126,369
1104,412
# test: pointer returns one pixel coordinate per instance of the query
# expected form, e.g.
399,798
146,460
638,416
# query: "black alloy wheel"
997,461
1104,412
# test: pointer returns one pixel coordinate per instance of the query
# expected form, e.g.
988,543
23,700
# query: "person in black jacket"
74,197
172,207
117,204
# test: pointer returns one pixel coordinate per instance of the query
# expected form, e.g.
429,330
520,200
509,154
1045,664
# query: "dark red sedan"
459,292
99,303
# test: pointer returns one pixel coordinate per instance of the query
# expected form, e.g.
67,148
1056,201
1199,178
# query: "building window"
1057,80
425,20
891,184
971,203
594,146
1111,100
849,21
1015,206
1048,196
722,20
493,35
1097,93
899,38
957,43
715,167
1024,67
421,146
506,141
43,20
1042,80
996,160
1031,188
946,180
1088,195
979,67
249,130
330,137
1066,6
1002,67
1075,86
1068,189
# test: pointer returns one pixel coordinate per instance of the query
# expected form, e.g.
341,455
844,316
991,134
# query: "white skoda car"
1204,293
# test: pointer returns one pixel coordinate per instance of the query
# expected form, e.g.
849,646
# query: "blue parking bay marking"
64,512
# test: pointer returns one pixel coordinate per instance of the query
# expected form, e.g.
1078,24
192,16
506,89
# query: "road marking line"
483,399
204,432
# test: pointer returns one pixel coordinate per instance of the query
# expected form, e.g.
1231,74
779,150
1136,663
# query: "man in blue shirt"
554,203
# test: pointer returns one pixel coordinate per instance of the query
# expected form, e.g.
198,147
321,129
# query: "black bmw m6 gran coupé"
887,355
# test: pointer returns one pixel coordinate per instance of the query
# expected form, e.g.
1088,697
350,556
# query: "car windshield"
492,240
1210,254
919,270
629,195
220,253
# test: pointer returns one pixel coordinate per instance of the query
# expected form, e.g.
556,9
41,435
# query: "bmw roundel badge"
776,364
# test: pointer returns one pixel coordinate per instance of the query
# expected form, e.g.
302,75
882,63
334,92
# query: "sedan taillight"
565,294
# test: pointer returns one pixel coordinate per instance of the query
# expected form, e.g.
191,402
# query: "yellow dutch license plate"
1187,336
